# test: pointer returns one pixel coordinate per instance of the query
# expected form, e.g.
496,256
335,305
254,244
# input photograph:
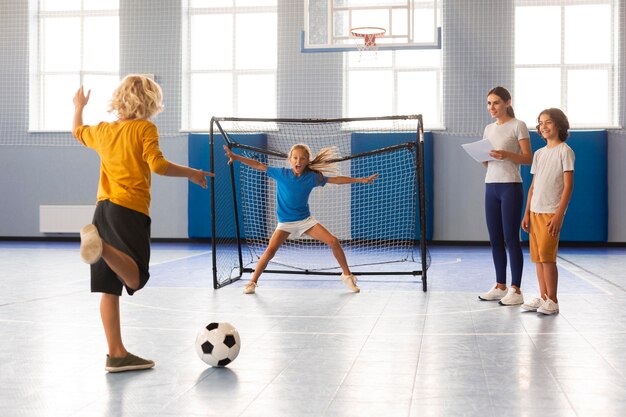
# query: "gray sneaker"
129,362
512,298
493,294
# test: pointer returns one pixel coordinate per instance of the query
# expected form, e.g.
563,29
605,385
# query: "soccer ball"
218,344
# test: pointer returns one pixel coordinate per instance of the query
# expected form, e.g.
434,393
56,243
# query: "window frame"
396,71
611,68
235,73
37,72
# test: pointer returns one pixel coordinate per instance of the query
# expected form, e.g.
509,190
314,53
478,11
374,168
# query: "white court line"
293,316
574,270
456,261
270,332
571,268
179,259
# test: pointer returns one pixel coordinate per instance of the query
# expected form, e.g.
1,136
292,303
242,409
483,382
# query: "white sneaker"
250,287
350,281
90,244
493,294
533,305
548,307
512,298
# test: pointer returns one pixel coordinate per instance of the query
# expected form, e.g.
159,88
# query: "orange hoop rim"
368,33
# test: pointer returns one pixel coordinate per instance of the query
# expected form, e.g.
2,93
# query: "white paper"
479,150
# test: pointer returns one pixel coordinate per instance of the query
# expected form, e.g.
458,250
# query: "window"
392,83
401,81
566,57
77,43
230,61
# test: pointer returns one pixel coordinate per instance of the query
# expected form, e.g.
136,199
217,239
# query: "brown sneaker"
129,362
350,281
90,244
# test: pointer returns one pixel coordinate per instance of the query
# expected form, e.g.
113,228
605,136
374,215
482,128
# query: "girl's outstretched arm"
248,161
349,180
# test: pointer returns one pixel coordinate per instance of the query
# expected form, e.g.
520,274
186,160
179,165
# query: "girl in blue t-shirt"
293,187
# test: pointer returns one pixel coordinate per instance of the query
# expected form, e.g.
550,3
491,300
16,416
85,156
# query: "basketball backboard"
408,24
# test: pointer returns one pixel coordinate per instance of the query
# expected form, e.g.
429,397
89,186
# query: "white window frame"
38,75
234,72
612,68
396,70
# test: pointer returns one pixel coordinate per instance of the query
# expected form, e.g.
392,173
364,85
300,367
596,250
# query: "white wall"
33,175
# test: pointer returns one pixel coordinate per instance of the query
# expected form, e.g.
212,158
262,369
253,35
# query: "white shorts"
298,228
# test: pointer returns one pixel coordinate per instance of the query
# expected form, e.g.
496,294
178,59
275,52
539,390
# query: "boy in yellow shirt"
117,244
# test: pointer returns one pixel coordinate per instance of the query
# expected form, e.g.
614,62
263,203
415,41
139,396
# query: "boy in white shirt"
548,197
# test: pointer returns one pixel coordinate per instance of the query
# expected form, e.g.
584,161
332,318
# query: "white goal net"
378,223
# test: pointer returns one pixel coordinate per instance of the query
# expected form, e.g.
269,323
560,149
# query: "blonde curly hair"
137,97
322,162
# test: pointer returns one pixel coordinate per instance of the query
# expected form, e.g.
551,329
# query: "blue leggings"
503,208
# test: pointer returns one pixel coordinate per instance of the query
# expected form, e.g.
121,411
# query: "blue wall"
586,219
199,207
364,142
199,222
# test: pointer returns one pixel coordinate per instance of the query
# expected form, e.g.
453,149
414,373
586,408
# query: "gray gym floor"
310,347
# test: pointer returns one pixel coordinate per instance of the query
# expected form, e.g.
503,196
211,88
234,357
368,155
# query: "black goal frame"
420,195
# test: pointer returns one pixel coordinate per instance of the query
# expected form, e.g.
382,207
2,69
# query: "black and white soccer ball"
218,344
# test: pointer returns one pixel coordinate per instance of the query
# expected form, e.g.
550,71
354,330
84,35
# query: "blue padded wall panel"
363,142
199,205
199,200
586,219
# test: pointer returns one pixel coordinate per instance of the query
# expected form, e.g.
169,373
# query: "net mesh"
377,223
163,39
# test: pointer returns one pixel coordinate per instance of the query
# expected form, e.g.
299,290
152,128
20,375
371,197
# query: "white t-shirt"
505,137
548,167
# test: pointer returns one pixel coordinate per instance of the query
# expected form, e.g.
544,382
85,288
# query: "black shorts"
127,230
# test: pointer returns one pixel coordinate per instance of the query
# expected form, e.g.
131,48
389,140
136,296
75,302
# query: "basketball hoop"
369,35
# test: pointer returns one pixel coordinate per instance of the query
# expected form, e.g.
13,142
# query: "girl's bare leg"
277,239
320,233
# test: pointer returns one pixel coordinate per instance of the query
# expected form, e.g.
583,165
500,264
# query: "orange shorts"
543,246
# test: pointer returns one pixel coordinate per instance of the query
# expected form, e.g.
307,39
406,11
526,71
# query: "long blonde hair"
137,97
321,163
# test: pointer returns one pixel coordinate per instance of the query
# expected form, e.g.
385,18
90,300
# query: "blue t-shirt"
292,192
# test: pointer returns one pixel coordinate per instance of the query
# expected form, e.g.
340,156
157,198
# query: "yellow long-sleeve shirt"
129,151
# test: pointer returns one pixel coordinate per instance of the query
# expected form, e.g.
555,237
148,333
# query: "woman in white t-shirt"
504,194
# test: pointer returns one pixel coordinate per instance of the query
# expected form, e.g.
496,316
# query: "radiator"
64,219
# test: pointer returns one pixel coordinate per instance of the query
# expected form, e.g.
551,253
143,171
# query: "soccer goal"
381,225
